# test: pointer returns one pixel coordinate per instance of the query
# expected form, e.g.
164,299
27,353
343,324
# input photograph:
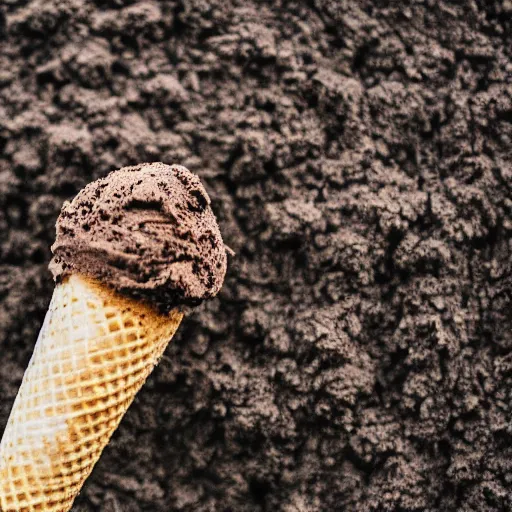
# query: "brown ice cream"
147,231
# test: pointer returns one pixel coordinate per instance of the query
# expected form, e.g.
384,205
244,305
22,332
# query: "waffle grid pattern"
93,354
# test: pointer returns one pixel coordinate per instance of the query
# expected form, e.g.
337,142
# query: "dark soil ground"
358,155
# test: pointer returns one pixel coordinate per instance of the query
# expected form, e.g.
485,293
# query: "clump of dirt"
358,155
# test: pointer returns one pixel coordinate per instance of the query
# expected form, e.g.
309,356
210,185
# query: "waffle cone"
93,354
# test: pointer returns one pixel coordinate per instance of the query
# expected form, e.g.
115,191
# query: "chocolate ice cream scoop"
146,231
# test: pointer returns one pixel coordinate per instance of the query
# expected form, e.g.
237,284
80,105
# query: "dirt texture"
358,157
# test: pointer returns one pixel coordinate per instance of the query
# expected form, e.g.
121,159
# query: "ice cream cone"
94,352
146,231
